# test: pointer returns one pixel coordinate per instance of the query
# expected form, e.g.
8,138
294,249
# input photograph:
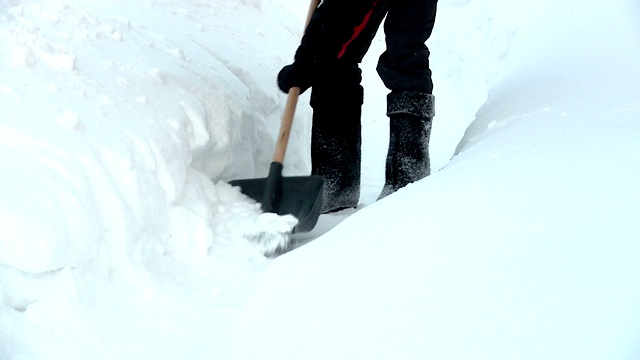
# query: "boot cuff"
413,103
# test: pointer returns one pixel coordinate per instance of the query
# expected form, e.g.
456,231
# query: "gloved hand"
295,74
301,73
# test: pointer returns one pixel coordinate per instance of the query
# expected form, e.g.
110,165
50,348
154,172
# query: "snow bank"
575,71
119,122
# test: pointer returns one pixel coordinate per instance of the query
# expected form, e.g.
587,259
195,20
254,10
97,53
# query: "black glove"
302,73
295,74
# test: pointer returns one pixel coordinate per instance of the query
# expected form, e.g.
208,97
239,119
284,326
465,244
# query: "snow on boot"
336,144
410,117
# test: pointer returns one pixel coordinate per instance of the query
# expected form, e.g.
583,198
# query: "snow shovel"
300,196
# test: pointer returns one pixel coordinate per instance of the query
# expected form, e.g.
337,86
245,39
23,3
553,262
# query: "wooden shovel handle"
290,106
285,125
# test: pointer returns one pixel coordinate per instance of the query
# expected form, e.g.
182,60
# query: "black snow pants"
336,40
341,31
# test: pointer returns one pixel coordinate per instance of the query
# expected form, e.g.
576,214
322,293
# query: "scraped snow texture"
122,121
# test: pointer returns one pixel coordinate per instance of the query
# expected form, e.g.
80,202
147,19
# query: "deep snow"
121,121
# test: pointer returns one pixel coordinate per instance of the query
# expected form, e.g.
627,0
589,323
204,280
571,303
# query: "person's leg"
346,28
336,136
404,66
342,30
404,69
410,117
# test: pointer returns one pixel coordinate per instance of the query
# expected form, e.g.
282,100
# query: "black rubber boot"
335,144
410,117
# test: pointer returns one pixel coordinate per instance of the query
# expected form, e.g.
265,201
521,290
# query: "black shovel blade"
300,196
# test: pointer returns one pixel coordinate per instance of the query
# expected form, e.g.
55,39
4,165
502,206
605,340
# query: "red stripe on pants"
357,30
